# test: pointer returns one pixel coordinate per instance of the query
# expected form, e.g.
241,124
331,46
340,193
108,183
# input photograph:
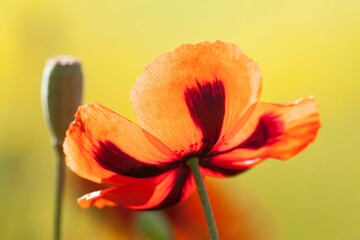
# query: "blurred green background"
308,47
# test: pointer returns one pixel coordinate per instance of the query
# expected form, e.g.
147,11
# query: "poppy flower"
197,101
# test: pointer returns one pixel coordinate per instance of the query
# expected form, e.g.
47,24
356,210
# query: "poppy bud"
61,93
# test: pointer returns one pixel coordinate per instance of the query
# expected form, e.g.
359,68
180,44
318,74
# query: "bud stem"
59,186
193,163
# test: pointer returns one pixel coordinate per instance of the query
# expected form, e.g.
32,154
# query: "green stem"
193,163
59,186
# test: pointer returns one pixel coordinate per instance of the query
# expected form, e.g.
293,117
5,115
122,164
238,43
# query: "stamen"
199,149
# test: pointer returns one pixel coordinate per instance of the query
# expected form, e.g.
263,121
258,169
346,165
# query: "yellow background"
308,47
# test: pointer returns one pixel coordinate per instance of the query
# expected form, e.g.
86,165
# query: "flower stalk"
61,94
193,163
59,189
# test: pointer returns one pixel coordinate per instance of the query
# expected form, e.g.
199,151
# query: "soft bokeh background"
307,47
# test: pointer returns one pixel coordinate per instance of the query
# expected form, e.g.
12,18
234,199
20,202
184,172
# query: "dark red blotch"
265,133
112,158
176,193
206,104
268,127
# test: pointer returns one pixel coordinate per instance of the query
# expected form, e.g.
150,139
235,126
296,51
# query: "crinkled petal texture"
273,131
196,95
103,146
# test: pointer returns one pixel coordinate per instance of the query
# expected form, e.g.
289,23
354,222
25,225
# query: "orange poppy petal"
191,97
273,131
102,145
151,193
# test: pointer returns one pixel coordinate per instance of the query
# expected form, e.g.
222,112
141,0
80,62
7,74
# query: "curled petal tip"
94,199
84,201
